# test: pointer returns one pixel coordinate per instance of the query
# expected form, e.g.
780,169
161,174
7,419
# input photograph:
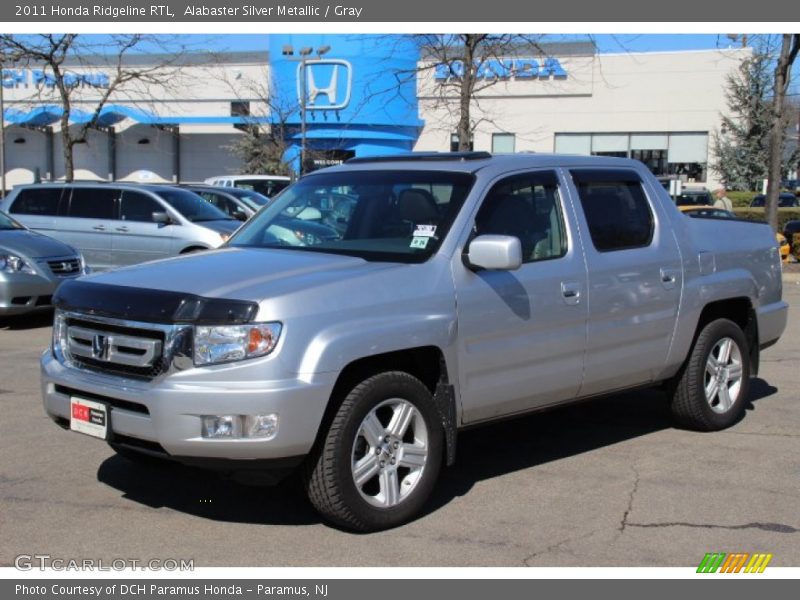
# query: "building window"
503,143
240,109
684,155
454,142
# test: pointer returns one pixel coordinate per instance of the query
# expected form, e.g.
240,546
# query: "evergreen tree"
742,144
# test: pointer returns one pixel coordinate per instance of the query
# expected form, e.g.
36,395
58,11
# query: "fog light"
261,426
222,426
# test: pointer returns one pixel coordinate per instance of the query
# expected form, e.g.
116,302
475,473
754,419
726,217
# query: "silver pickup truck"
447,290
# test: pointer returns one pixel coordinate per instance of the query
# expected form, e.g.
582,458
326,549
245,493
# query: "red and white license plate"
89,417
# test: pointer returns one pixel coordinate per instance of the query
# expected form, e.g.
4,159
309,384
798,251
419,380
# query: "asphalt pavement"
605,483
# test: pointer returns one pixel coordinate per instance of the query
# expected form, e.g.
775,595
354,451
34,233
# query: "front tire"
712,388
380,459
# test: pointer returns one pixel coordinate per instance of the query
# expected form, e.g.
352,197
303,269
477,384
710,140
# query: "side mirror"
239,215
495,252
161,218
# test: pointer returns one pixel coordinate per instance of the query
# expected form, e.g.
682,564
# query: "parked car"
709,212
237,203
118,224
267,185
462,288
785,200
32,266
695,197
790,228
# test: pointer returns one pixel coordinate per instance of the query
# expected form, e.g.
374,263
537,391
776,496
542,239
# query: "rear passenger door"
137,238
89,224
522,333
635,279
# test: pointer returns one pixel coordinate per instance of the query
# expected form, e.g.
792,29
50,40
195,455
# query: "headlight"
227,343
11,263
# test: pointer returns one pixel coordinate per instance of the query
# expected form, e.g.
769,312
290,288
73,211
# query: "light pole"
304,52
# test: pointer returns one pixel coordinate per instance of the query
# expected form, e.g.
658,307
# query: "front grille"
116,349
65,267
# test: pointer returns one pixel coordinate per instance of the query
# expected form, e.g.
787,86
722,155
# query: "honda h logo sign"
328,84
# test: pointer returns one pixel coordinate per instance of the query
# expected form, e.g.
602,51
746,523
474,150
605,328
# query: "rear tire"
380,458
711,390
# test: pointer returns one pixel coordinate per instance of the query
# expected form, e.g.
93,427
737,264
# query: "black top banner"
385,11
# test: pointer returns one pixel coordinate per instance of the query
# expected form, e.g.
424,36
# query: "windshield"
398,216
7,222
266,187
192,206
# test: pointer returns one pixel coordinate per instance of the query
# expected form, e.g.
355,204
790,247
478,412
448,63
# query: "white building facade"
662,108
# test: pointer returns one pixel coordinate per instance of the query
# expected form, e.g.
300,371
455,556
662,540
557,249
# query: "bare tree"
109,55
790,45
266,131
466,65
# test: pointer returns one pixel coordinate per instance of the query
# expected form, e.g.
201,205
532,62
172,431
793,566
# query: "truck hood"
33,245
251,274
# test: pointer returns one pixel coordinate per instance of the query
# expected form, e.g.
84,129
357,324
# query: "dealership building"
359,95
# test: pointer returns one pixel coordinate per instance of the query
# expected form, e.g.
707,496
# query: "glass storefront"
683,154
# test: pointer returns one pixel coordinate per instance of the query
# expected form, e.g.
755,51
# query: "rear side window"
136,206
616,208
38,201
94,203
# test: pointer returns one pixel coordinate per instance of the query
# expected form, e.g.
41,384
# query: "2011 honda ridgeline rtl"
447,290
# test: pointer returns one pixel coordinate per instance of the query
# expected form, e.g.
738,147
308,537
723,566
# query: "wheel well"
193,249
426,363
740,311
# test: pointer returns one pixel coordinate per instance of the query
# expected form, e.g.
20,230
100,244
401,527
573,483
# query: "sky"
606,42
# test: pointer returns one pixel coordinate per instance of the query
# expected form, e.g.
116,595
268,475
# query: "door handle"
99,227
669,277
571,292
123,229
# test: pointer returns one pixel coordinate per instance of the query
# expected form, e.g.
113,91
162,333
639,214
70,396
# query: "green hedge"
757,214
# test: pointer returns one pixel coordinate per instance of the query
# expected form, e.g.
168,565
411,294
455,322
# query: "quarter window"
526,207
38,201
616,209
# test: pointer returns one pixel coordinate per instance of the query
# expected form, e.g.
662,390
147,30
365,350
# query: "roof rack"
421,156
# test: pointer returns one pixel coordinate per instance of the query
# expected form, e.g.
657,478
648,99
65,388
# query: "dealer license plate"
89,417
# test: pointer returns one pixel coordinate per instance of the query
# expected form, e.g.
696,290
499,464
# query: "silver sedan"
32,266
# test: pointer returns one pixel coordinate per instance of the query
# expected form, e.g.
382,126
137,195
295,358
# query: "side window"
219,201
616,208
527,207
38,201
136,206
94,203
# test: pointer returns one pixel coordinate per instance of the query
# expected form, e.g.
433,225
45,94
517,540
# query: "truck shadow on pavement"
483,453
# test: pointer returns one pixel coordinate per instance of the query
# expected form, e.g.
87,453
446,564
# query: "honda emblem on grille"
100,347
65,266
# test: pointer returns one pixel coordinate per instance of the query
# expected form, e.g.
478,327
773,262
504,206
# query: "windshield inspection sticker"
419,242
425,231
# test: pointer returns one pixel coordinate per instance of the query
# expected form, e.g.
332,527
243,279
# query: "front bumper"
21,293
165,415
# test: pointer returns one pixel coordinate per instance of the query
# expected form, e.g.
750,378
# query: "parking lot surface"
605,483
